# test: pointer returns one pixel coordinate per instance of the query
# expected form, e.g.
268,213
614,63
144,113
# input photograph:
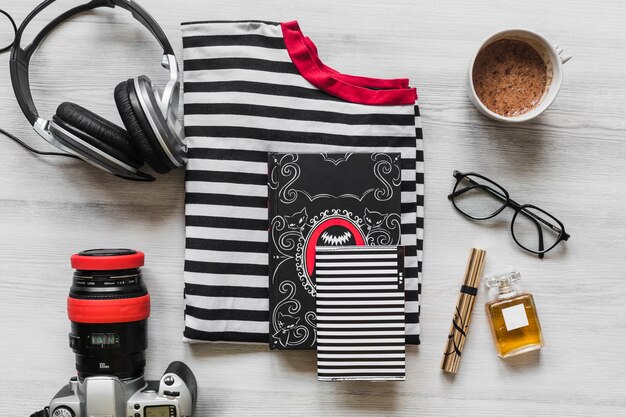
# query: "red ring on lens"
107,263
119,310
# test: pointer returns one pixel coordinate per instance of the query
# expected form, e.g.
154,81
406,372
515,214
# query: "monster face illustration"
336,236
332,231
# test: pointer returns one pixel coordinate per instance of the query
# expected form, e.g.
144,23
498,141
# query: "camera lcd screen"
104,339
157,411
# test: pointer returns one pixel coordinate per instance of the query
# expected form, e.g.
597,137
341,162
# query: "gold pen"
463,312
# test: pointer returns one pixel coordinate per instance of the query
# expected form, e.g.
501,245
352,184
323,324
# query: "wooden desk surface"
570,161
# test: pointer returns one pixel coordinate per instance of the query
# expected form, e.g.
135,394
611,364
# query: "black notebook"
316,200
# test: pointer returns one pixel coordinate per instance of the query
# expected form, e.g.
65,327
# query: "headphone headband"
20,58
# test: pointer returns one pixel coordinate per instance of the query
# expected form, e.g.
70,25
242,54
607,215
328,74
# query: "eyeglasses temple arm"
541,246
486,188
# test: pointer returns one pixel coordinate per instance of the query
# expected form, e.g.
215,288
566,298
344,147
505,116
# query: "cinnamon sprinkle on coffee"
510,77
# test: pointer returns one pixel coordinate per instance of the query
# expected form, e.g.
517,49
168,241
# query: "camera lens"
108,306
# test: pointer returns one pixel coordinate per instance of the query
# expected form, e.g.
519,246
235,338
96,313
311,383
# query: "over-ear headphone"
153,132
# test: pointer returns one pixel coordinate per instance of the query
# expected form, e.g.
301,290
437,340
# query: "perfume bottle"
512,316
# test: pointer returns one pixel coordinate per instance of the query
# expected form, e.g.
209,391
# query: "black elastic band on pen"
465,289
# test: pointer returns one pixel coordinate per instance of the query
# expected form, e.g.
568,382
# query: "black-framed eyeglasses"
479,198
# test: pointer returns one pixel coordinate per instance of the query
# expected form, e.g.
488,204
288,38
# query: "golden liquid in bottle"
520,340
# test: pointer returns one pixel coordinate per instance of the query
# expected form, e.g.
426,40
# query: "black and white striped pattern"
360,313
244,98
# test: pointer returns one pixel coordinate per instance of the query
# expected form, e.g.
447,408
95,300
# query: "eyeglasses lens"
535,230
478,198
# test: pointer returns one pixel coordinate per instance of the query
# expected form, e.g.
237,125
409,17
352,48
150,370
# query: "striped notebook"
360,313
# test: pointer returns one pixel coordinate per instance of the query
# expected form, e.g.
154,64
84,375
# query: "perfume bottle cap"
503,280
503,285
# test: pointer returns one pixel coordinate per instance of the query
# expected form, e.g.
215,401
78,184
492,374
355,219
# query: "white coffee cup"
550,54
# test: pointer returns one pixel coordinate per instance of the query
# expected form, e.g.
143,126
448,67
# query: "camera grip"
41,413
183,371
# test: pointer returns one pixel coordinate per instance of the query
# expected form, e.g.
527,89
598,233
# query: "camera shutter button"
62,412
169,380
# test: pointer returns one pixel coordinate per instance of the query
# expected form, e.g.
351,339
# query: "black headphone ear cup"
150,151
98,132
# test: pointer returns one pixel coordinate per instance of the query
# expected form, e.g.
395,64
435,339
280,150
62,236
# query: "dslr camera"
108,307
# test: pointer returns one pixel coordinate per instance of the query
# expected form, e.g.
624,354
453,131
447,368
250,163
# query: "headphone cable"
11,136
33,150
8,47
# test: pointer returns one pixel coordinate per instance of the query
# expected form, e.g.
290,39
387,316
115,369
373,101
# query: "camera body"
108,396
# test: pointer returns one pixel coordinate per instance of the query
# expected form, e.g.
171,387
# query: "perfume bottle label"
515,317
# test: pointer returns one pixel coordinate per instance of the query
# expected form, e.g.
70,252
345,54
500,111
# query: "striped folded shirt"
256,87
